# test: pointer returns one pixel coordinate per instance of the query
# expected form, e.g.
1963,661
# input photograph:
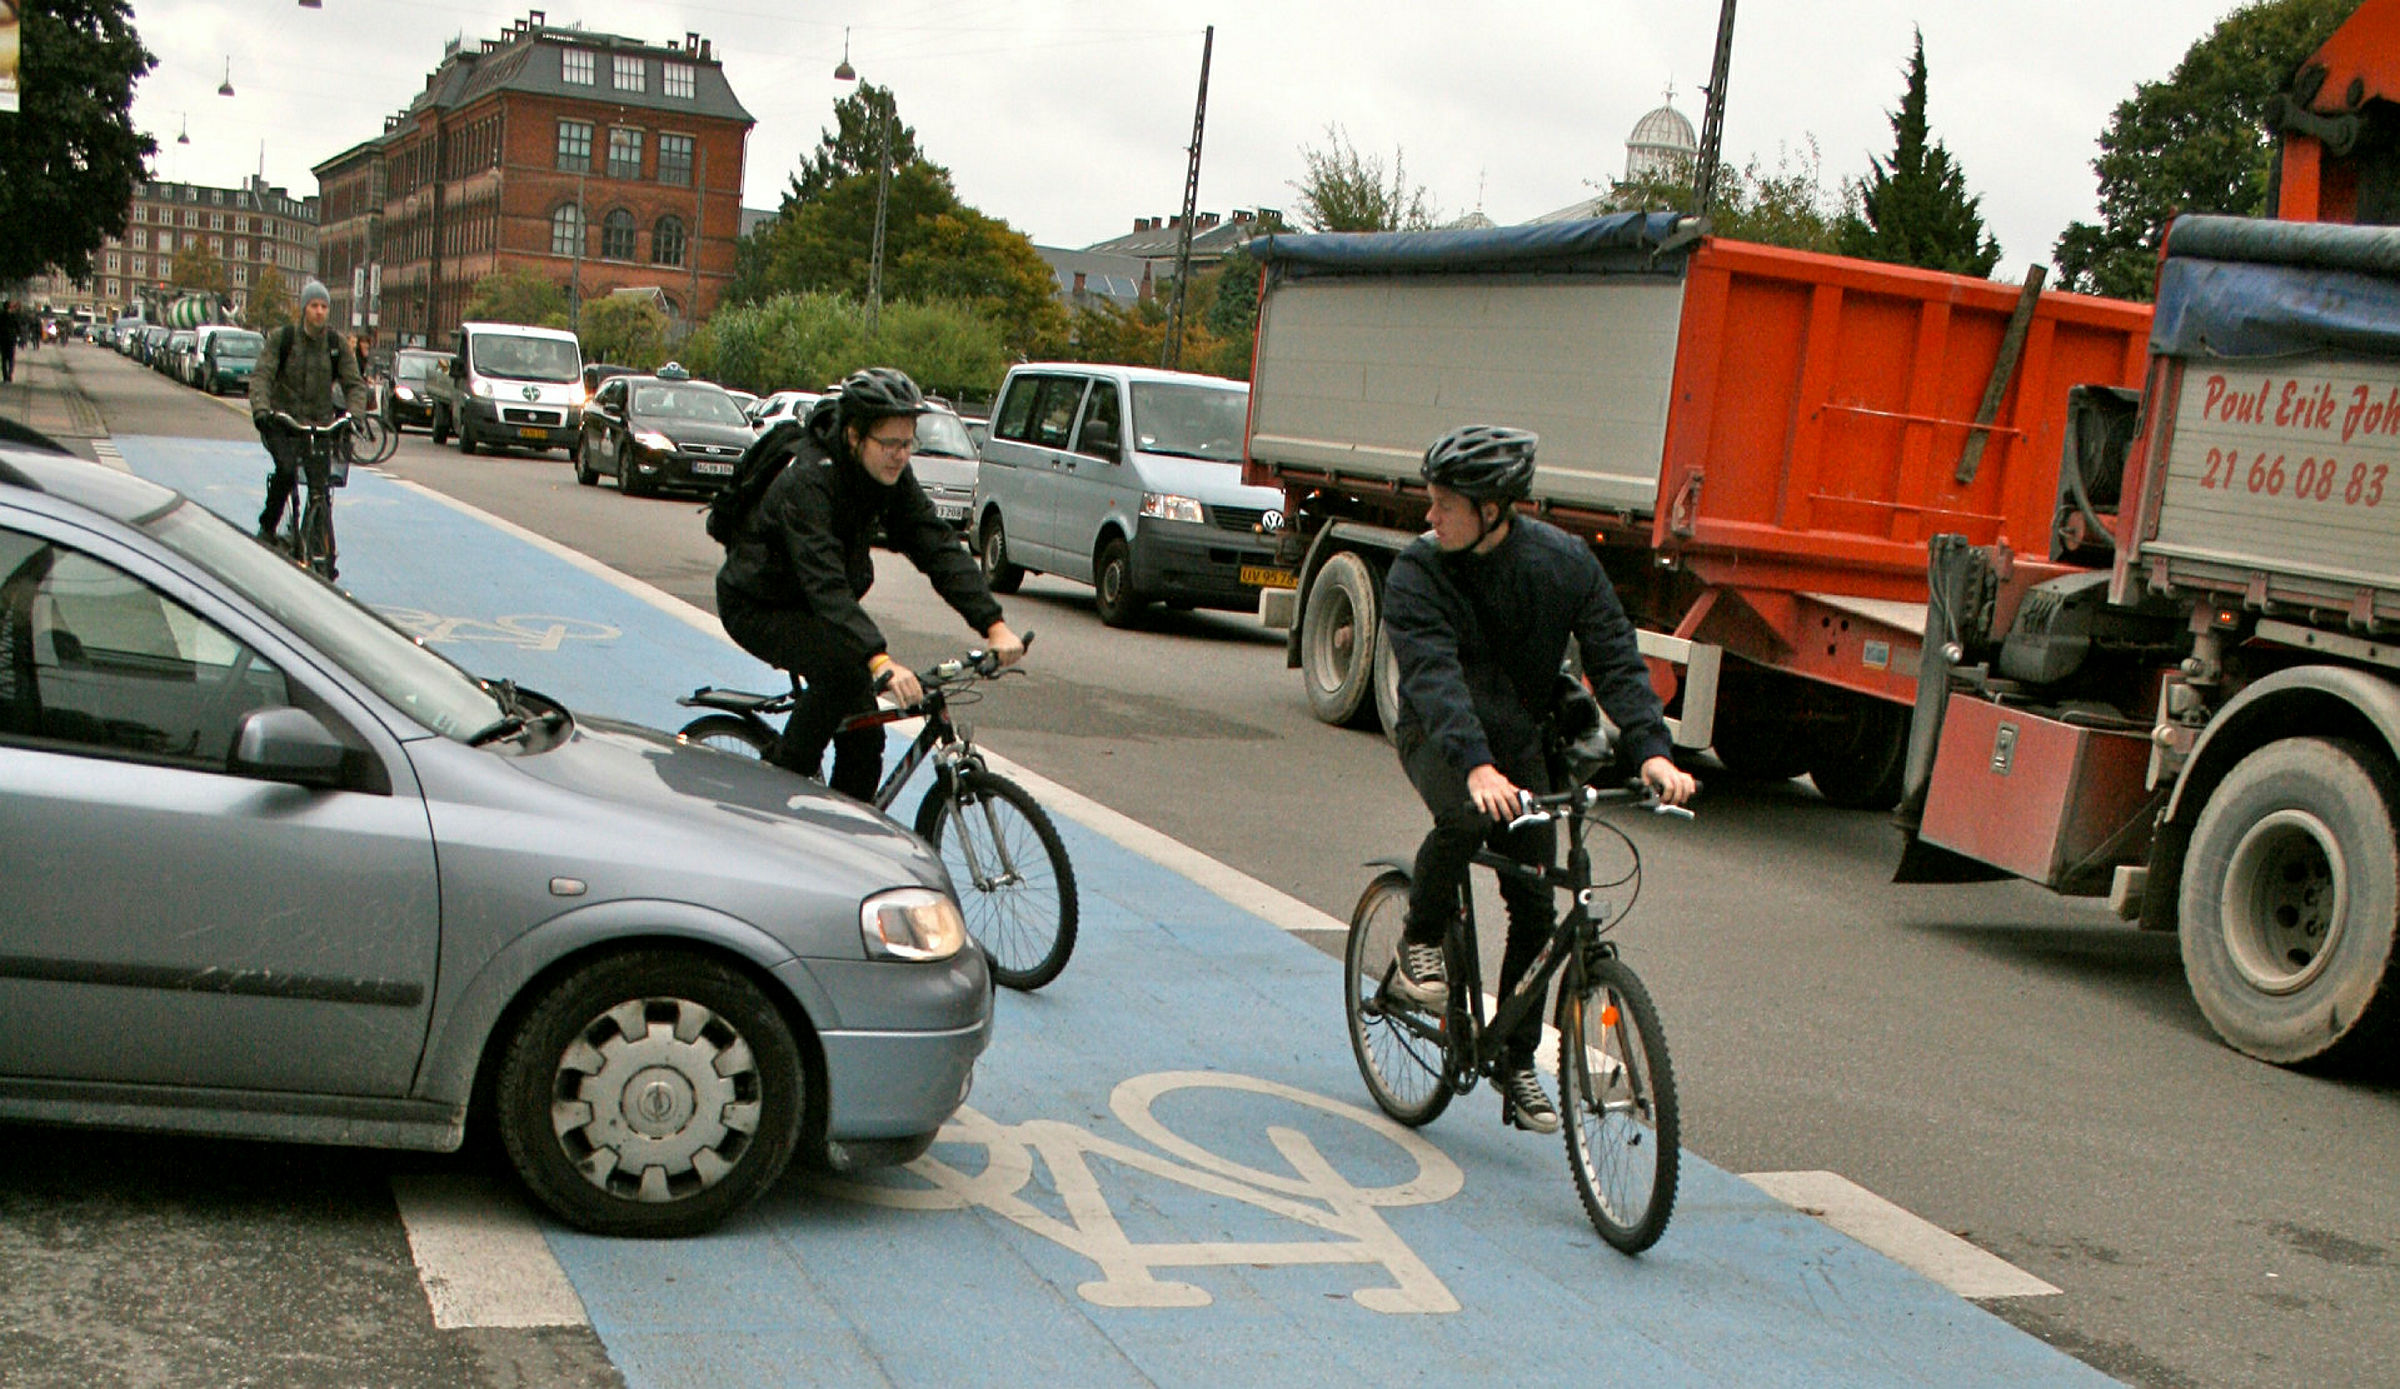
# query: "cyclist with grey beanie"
303,365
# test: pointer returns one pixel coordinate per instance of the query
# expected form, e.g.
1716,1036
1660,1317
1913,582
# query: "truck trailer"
1757,441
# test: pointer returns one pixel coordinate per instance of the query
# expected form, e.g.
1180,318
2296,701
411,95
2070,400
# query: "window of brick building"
675,160
566,231
616,235
624,153
241,250
678,79
628,73
575,146
575,65
666,241
141,239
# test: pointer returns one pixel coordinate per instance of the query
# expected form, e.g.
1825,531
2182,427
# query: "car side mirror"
287,744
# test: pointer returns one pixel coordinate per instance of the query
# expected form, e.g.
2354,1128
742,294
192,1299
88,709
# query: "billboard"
8,54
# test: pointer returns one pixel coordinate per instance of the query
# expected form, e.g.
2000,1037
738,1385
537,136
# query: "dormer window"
575,65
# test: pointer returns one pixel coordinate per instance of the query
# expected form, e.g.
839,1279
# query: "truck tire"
1338,632
2291,900
1387,688
1758,746
1859,762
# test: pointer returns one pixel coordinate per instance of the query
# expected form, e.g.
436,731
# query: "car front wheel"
651,1094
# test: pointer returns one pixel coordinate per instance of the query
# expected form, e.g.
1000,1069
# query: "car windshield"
706,404
413,678
238,344
1191,421
417,367
942,434
525,359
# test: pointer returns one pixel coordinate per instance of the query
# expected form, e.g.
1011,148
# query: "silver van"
510,386
1128,479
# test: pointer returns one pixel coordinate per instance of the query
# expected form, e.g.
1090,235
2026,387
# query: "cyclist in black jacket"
1479,614
798,565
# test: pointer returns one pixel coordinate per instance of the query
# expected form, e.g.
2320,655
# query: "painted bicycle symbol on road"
526,631
1312,1194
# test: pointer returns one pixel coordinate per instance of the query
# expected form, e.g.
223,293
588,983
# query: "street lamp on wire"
883,182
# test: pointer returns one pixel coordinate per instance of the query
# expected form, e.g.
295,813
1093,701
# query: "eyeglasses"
901,443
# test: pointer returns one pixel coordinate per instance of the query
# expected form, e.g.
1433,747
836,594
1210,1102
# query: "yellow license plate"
1259,576
533,433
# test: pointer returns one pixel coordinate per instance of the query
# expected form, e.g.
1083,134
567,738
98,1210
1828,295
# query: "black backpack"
760,465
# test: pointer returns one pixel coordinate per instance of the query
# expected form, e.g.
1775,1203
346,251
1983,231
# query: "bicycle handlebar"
1542,810
977,664
332,426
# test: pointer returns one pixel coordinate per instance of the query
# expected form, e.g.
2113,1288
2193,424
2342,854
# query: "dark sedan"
652,433
413,370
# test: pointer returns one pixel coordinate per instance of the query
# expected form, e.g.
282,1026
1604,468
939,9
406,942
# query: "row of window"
216,244
165,192
165,217
624,153
617,236
628,73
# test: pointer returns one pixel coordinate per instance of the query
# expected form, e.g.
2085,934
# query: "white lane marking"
104,450
481,1257
1221,879
1906,1238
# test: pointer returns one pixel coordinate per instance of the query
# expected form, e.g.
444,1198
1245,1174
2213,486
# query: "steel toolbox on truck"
1759,440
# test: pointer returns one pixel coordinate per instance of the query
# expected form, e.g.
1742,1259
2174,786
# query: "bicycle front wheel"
376,440
1011,871
1399,1047
1618,1089
730,733
315,551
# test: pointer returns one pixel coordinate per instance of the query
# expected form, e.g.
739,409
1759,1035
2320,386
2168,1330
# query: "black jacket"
805,545
1480,637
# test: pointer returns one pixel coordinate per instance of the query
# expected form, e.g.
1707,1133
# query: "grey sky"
1068,117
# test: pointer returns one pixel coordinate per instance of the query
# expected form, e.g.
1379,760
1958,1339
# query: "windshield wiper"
507,726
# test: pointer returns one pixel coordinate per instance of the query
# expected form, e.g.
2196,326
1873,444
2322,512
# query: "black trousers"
292,459
1448,853
8,360
838,686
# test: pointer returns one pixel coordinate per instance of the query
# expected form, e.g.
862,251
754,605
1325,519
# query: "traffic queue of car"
216,358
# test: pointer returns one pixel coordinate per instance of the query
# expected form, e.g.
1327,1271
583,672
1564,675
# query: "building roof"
1159,238
528,58
1664,129
1119,279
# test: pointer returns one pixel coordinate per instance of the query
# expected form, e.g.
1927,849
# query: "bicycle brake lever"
1680,812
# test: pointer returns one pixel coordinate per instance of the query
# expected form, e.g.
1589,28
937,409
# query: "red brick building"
599,162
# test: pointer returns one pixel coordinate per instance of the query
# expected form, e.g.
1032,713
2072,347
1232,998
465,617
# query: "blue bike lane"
1168,1171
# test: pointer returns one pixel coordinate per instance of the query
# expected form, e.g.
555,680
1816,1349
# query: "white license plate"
950,511
705,469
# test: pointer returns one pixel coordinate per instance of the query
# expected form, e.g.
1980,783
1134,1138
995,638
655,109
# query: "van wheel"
1337,641
466,436
992,553
1112,584
440,428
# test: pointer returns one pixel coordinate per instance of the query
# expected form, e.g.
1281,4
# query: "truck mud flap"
1695,726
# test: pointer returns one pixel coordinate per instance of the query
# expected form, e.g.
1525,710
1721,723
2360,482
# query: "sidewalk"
46,397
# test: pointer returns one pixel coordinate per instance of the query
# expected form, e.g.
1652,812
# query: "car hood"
1218,484
941,470
682,431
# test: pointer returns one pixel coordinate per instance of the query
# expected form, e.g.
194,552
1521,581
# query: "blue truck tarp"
2239,287
1624,242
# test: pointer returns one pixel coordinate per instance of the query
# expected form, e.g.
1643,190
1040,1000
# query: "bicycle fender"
1406,868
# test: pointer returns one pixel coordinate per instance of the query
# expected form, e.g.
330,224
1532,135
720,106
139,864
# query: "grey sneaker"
1524,1104
1422,979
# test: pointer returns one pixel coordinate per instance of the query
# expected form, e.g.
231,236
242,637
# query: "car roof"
525,330
118,496
1126,373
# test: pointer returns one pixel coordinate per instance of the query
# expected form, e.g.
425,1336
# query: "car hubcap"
656,1099
2284,892
1112,583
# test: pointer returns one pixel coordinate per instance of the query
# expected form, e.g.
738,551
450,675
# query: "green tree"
2196,142
198,271
1914,208
1344,191
803,341
269,304
69,157
1786,206
519,296
625,329
854,146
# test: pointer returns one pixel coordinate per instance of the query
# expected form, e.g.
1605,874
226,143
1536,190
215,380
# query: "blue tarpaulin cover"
1619,243
2237,287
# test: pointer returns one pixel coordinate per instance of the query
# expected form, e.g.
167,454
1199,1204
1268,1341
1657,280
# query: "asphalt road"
2011,1066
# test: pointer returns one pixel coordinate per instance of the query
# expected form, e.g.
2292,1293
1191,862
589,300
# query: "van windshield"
1191,421
524,359
238,344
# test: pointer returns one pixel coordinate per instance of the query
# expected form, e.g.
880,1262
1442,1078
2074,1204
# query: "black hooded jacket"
805,545
1479,640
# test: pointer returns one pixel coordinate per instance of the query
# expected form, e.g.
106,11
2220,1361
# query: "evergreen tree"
70,156
854,146
1914,208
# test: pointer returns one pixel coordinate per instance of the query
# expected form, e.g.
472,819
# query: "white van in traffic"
1128,479
510,386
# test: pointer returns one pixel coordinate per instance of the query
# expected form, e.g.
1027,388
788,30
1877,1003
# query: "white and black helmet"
1483,462
877,393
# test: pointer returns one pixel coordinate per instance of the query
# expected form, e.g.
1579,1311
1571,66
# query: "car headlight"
404,393
654,441
911,923
1166,506
482,389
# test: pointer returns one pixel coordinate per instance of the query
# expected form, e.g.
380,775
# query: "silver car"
274,870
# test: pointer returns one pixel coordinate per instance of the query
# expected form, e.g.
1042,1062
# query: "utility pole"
691,244
583,233
1171,356
1712,119
883,198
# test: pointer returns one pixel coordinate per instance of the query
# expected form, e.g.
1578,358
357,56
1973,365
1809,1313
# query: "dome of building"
1661,144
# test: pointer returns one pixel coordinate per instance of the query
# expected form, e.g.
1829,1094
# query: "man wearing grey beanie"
297,375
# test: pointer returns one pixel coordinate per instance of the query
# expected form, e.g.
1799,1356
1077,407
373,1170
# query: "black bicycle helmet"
1483,462
879,393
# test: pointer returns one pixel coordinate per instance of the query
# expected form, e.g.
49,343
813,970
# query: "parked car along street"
945,465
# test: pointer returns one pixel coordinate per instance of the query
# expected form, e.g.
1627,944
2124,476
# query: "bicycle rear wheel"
376,441
1011,871
730,733
1399,1047
315,539
1617,1087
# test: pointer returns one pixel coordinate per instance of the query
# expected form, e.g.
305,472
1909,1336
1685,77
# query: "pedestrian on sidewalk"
8,341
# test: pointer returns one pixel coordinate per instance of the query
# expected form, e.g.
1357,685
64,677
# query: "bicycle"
1019,896
1616,1084
307,535
371,440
